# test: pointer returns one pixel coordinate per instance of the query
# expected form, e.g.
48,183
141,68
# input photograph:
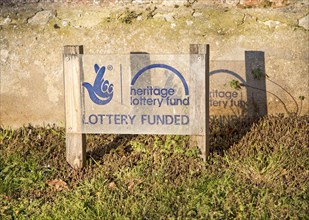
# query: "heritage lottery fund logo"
142,97
101,92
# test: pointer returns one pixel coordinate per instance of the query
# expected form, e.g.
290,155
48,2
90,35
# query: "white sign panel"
143,94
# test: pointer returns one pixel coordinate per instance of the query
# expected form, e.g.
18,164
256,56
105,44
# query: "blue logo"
101,92
149,95
164,66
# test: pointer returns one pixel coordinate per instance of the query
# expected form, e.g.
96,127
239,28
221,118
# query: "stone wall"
238,3
33,36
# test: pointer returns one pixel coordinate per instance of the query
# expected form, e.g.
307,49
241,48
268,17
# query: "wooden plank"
75,140
199,55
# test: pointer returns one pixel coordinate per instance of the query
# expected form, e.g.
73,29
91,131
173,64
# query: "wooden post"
75,140
201,101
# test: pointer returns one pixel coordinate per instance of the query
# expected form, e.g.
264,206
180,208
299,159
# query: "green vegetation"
257,73
257,170
128,16
235,84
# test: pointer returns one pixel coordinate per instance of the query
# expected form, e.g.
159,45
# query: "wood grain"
75,140
199,64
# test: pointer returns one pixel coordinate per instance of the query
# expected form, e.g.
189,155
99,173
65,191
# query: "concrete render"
32,37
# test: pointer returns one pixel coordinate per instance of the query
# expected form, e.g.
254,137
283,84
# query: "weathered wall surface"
33,36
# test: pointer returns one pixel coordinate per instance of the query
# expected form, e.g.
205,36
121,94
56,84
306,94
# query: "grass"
257,170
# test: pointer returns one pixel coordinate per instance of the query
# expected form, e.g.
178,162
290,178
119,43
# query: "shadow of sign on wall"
238,88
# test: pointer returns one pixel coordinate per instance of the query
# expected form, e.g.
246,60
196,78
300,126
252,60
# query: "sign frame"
73,69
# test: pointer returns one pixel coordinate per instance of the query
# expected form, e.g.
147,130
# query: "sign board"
141,94
137,93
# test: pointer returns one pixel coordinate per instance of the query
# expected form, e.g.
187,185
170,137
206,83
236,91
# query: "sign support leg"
201,102
75,140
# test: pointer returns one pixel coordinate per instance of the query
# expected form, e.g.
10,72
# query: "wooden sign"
137,93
